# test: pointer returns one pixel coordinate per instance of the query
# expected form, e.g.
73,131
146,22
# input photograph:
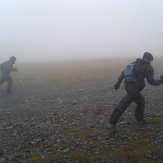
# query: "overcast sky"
65,29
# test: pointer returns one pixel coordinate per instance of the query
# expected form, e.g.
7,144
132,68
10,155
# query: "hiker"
6,68
142,69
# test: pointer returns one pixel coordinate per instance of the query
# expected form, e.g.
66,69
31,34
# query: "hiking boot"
142,122
112,127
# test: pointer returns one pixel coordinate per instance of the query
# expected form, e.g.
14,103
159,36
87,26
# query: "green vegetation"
90,149
158,120
137,150
134,127
83,133
37,158
78,157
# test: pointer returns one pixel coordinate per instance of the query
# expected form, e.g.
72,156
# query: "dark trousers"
136,97
8,80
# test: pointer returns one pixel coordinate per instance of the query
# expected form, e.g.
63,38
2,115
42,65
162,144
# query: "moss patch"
83,133
104,156
37,158
33,157
137,150
134,127
157,120
148,135
78,157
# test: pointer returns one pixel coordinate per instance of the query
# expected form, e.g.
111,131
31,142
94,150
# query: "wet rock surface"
52,122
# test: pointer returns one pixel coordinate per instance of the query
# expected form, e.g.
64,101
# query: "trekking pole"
20,79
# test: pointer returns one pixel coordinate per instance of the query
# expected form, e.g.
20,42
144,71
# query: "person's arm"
9,67
149,74
121,77
14,69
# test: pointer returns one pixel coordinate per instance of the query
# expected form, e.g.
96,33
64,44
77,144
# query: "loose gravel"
57,119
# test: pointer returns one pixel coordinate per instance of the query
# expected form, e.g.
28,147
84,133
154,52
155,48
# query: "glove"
116,86
161,80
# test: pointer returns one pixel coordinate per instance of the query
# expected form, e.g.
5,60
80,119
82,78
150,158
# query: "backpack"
129,73
2,66
133,72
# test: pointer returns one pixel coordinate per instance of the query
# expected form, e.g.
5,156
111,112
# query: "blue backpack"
129,73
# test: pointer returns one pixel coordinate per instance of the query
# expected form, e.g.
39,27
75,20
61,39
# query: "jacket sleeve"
149,74
9,67
121,77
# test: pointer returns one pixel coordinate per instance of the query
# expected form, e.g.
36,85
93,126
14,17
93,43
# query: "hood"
12,59
142,61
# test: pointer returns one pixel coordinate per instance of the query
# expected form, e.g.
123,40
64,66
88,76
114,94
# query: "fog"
43,30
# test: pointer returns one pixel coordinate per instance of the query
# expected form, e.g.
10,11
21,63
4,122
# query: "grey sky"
61,29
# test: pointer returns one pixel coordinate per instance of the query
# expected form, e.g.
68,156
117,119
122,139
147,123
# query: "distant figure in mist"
134,84
6,68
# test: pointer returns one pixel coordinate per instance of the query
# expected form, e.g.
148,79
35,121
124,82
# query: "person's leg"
9,81
2,80
139,111
120,108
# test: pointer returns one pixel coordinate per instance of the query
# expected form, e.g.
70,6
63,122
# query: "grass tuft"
36,158
83,133
158,120
78,157
104,156
134,127
33,157
148,135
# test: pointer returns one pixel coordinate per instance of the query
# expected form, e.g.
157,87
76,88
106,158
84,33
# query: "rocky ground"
67,122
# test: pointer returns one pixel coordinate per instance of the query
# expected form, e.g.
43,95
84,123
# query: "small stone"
9,128
66,150
2,160
58,140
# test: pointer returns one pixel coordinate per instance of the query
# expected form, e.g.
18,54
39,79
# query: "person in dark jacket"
133,89
5,73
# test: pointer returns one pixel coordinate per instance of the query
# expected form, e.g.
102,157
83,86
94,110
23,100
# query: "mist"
38,30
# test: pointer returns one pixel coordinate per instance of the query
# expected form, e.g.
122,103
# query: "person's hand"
116,86
161,80
15,69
